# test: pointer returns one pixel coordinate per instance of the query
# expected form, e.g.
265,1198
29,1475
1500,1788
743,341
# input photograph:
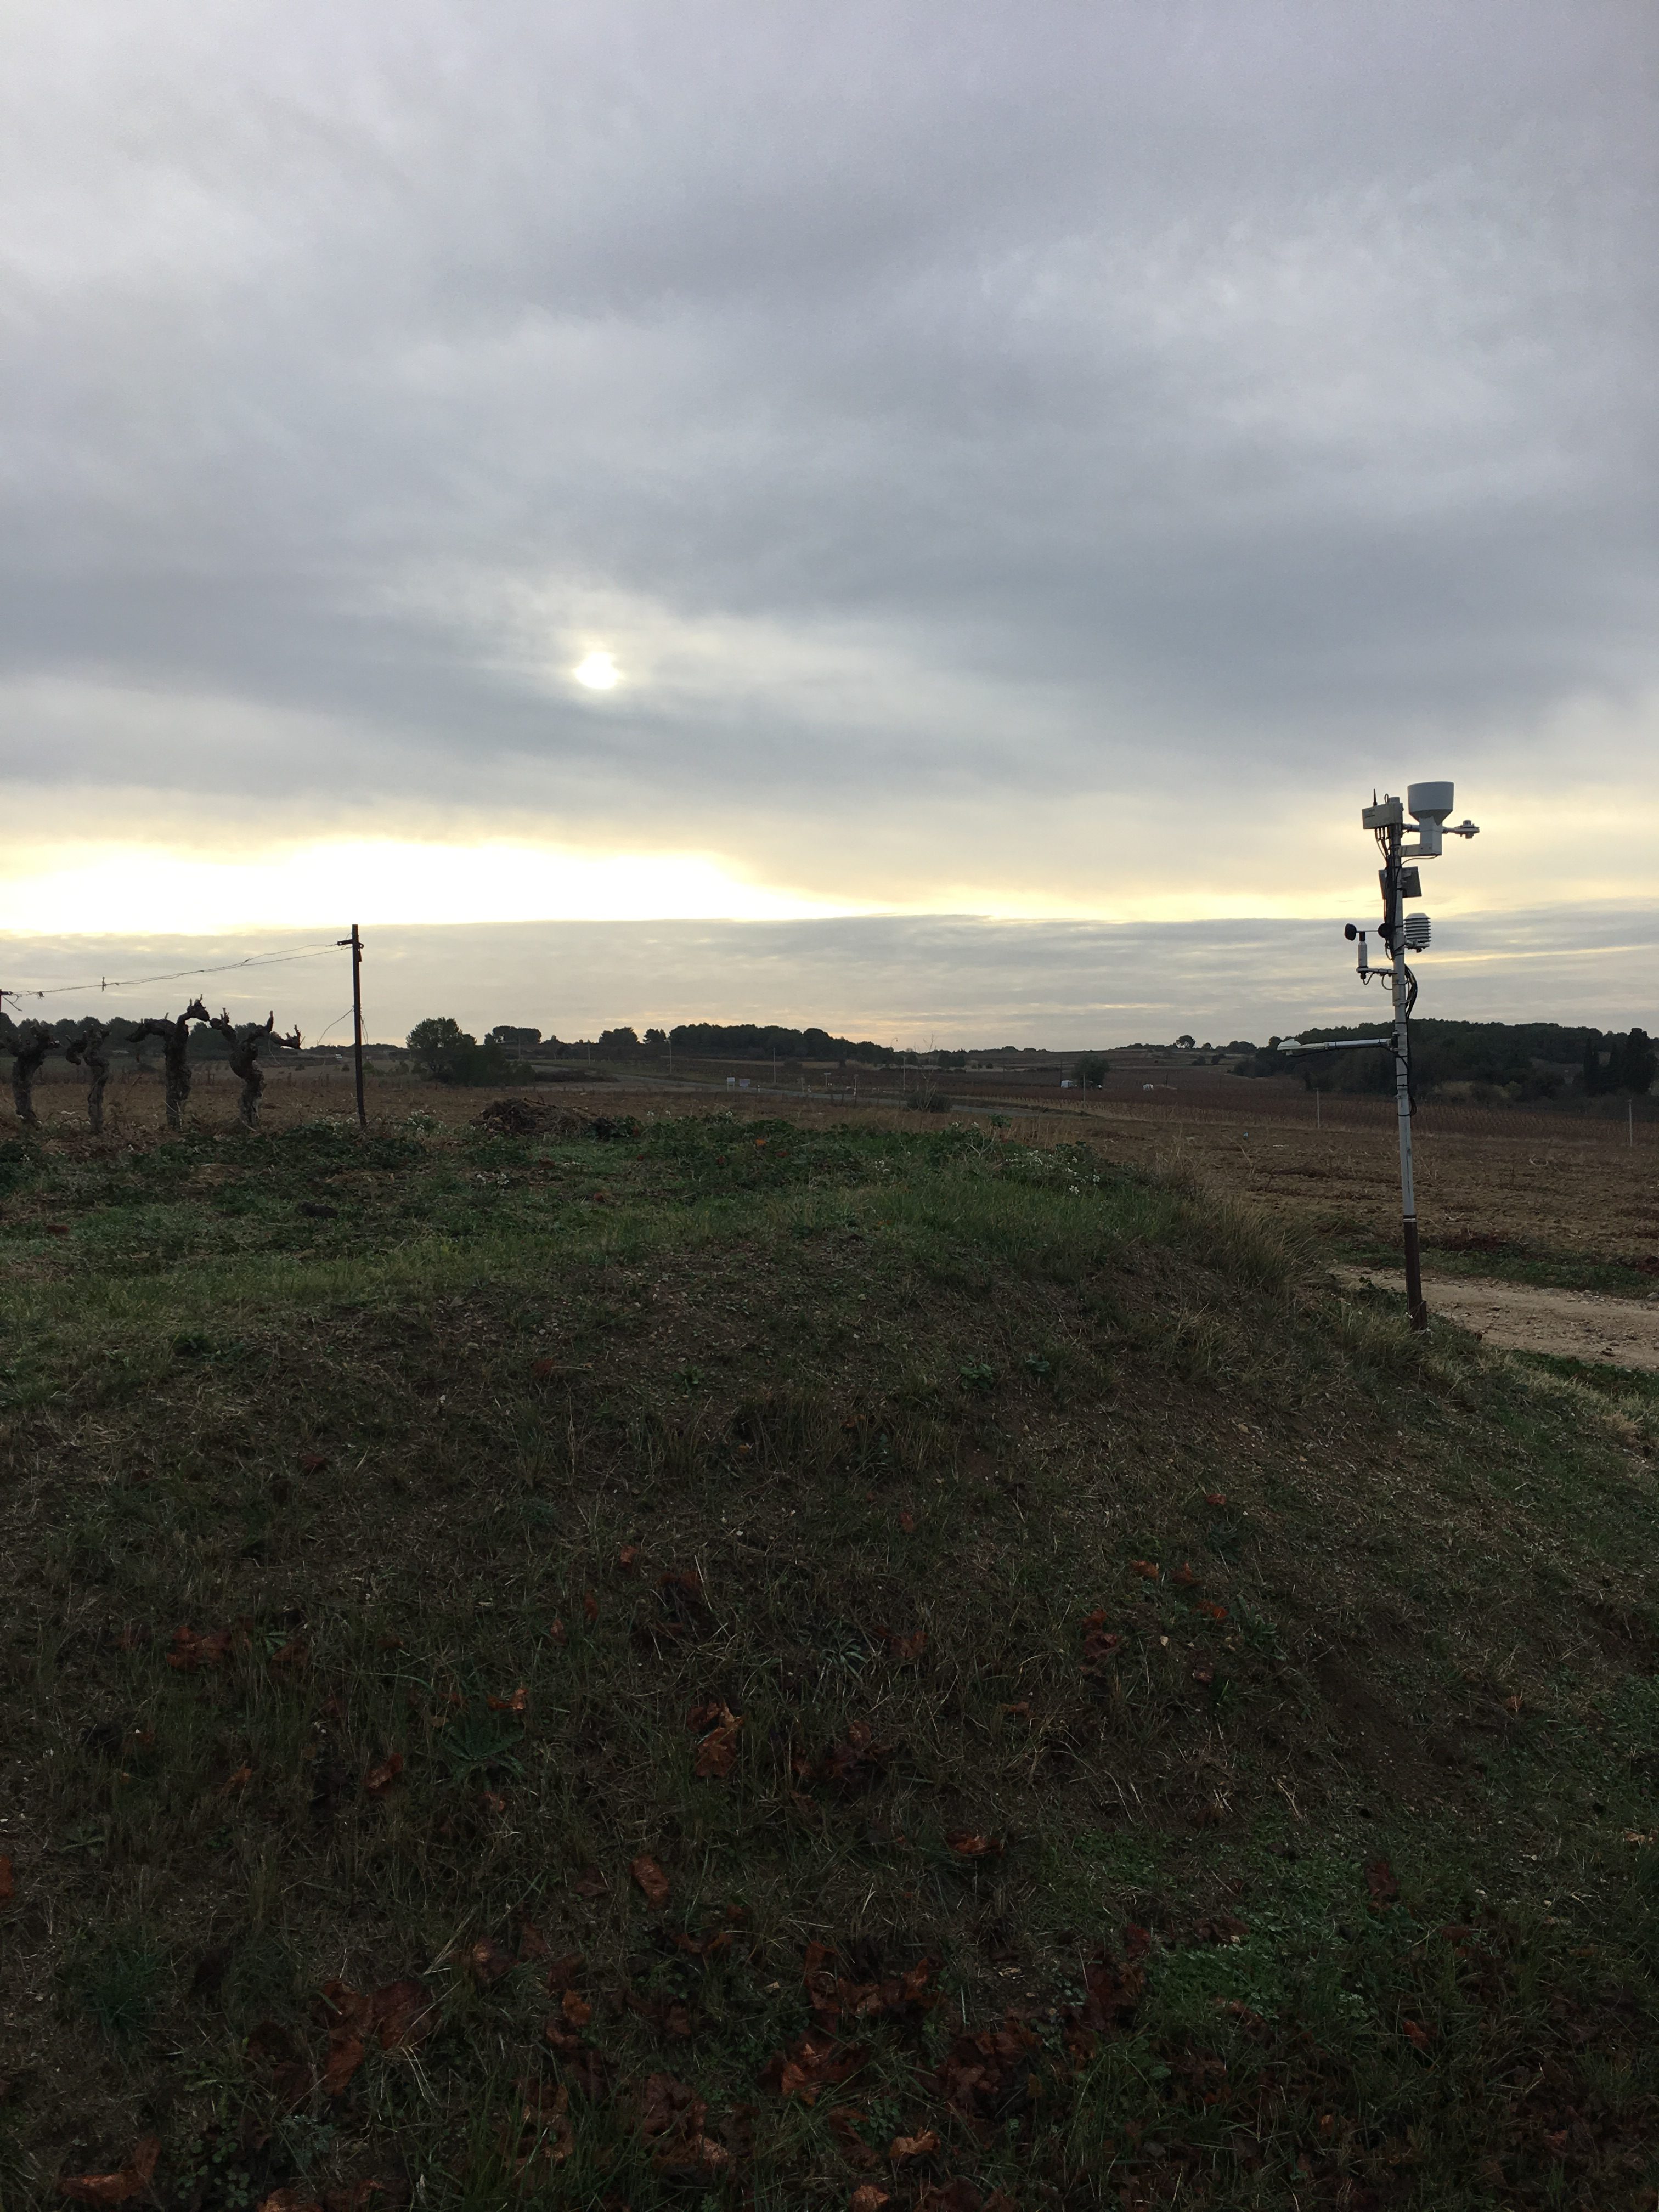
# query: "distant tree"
439,1043
613,1038
449,1054
512,1039
1595,1075
656,1036
1090,1070
1637,1063
1183,1044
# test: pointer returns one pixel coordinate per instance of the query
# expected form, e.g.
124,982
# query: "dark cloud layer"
977,405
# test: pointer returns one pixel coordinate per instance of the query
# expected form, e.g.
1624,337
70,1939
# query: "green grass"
1495,1260
1317,1866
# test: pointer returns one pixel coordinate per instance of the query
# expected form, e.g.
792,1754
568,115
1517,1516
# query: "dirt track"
1574,1324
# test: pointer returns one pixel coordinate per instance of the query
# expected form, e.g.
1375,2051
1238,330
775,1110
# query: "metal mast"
1428,804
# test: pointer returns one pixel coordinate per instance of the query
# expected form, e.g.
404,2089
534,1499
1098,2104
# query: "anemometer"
1400,933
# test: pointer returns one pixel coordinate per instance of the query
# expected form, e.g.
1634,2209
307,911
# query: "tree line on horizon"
1530,1061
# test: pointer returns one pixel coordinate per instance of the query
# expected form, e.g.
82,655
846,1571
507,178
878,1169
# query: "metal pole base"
1414,1306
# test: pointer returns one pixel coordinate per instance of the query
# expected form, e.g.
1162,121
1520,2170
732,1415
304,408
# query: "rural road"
1574,1324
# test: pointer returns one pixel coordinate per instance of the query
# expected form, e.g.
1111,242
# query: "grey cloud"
1208,378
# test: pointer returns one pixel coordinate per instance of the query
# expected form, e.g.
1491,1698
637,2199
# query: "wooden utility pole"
356,944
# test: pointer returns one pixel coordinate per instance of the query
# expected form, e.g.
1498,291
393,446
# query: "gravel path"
1575,1324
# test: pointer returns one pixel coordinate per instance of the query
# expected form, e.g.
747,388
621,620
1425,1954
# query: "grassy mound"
736,1662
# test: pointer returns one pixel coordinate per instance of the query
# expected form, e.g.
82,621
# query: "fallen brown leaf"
968,1844
717,1754
815,2064
239,1780
1098,1641
590,1607
575,2008
193,1648
921,2146
8,1884
488,1960
1148,1569
558,1633
384,1773
904,1649
1216,1497
115,2188
866,2197
653,1882
516,1704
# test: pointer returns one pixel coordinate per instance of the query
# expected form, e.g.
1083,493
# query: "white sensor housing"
1428,802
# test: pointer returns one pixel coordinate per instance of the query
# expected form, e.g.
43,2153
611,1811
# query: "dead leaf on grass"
903,1649
1149,1570
239,1780
906,1521
1216,1497
558,1633
384,1773
968,1844
904,2146
1099,1641
193,1647
590,1882
575,2008
651,1882
815,2064
718,1725
8,1882
128,2180
517,1703
590,1607
1209,1607
293,1657
290,2200
1183,1577
313,1463
488,1960
628,1557
866,2197
857,1764
1381,1882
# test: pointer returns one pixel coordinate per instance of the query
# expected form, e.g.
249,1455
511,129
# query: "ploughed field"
826,1661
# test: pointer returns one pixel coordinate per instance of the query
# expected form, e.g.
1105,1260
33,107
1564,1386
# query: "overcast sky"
1021,460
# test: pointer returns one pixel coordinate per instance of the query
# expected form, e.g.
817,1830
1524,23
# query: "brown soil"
1519,1317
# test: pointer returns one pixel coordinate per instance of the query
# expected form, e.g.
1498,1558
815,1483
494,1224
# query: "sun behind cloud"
598,672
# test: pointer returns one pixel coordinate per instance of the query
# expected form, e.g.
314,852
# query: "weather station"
1399,934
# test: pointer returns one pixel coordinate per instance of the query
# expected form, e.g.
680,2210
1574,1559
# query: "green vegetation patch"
702,1661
